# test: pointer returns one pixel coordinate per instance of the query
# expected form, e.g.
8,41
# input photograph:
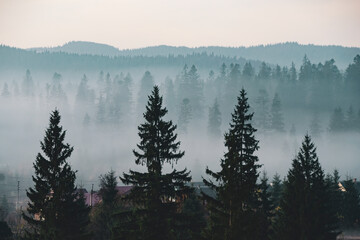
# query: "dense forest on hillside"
272,53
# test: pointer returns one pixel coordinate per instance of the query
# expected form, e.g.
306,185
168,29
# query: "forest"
213,147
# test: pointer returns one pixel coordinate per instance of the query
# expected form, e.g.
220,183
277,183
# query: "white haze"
98,149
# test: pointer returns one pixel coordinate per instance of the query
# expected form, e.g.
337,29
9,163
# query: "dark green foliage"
336,195
233,212
350,205
276,191
103,220
155,194
193,219
55,210
265,208
352,77
305,208
214,122
277,119
4,208
5,231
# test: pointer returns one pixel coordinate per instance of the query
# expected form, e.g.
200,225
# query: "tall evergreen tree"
214,122
305,208
233,211
157,193
56,210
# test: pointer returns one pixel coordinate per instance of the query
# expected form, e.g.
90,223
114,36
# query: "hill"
282,53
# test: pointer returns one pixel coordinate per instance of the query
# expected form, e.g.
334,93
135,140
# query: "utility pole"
18,196
91,194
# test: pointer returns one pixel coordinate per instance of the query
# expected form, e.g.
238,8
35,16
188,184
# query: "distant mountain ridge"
281,53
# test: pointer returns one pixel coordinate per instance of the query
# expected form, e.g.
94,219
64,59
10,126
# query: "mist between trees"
101,111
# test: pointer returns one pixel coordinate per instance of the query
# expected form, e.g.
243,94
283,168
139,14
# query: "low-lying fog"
101,147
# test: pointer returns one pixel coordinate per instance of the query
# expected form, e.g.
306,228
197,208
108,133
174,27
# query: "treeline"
314,89
19,59
307,204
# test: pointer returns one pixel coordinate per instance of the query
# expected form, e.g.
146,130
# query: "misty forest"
179,143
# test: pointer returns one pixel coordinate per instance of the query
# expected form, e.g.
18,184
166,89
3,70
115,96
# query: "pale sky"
139,23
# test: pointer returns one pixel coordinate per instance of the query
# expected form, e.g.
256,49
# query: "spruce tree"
277,119
103,222
184,115
155,193
233,212
350,205
214,122
265,208
276,191
305,208
55,210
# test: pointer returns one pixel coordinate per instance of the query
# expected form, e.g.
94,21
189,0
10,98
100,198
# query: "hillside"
282,53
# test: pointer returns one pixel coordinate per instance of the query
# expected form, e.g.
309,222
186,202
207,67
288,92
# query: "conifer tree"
337,121
276,191
233,211
305,208
55,210
27,86
277,119
350,204
156,193
315,128
214,122
265,208
102,223
146,84
184,115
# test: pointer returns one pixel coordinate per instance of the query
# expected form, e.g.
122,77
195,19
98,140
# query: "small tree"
305,208
350,204
276,191
55,210
102,223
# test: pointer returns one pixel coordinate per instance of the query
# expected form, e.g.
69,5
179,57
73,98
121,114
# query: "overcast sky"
139,23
